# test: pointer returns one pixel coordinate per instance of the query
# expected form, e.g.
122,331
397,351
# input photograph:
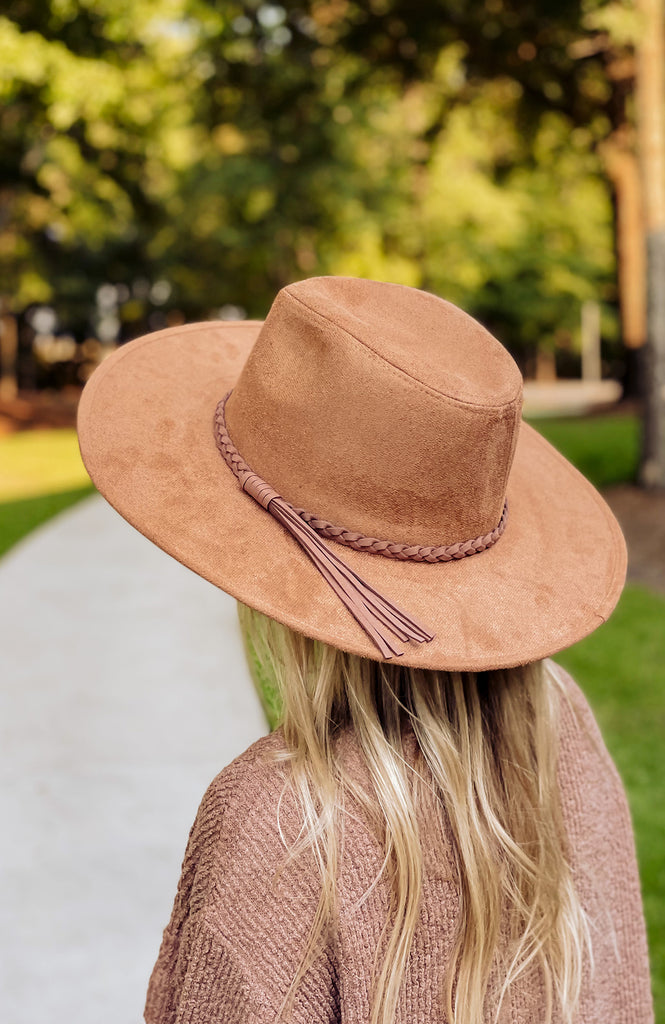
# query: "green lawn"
604,448
41,473
621,666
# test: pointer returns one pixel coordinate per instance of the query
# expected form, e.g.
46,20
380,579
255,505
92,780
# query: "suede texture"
145,425
381,409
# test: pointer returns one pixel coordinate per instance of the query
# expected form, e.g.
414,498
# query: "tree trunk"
8,353
650,116
618,155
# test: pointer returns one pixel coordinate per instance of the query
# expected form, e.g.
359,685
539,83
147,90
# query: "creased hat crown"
381,408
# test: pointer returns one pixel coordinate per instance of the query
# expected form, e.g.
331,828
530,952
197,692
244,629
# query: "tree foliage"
229,148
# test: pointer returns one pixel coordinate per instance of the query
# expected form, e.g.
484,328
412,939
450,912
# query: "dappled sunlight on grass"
41,473
34,462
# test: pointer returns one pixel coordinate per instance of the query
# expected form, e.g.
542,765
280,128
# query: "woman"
435,832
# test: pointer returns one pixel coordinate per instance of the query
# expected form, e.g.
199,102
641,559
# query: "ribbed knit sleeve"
204,985
234,938
190,973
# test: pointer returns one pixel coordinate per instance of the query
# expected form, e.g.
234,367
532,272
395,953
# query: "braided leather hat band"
395,419
359,542
372,610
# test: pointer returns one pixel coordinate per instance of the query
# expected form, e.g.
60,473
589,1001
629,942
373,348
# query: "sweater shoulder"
240,784
239,804
241,916
581,738
592,791
581,735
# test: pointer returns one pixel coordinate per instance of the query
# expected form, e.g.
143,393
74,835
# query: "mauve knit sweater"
233,942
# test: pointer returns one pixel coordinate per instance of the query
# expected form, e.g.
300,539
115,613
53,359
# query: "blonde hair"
488,751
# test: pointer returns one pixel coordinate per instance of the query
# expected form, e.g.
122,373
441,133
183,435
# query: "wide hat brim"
145,428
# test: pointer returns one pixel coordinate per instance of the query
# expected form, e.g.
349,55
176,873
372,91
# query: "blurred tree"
229,148
572,58
373,147
91,108
575,59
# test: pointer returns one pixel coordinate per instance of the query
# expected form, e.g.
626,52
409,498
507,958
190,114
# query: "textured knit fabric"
234,939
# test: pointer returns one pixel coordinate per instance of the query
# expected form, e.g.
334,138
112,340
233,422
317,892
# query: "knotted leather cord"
350,539
374,612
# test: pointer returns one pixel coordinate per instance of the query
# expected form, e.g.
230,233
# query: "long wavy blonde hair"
488,749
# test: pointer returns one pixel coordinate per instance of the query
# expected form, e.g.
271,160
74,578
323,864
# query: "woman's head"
487,749
375,430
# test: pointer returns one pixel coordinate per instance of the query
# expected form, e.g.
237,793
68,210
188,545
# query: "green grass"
604,448
34,462
18,518
41,474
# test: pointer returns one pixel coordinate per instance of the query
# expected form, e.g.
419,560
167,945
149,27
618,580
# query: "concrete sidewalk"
123,691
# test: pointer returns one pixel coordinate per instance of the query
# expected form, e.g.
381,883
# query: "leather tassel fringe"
375,613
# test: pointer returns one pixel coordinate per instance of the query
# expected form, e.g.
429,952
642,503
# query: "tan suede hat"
368,482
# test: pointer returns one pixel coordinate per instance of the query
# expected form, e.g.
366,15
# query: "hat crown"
381,408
